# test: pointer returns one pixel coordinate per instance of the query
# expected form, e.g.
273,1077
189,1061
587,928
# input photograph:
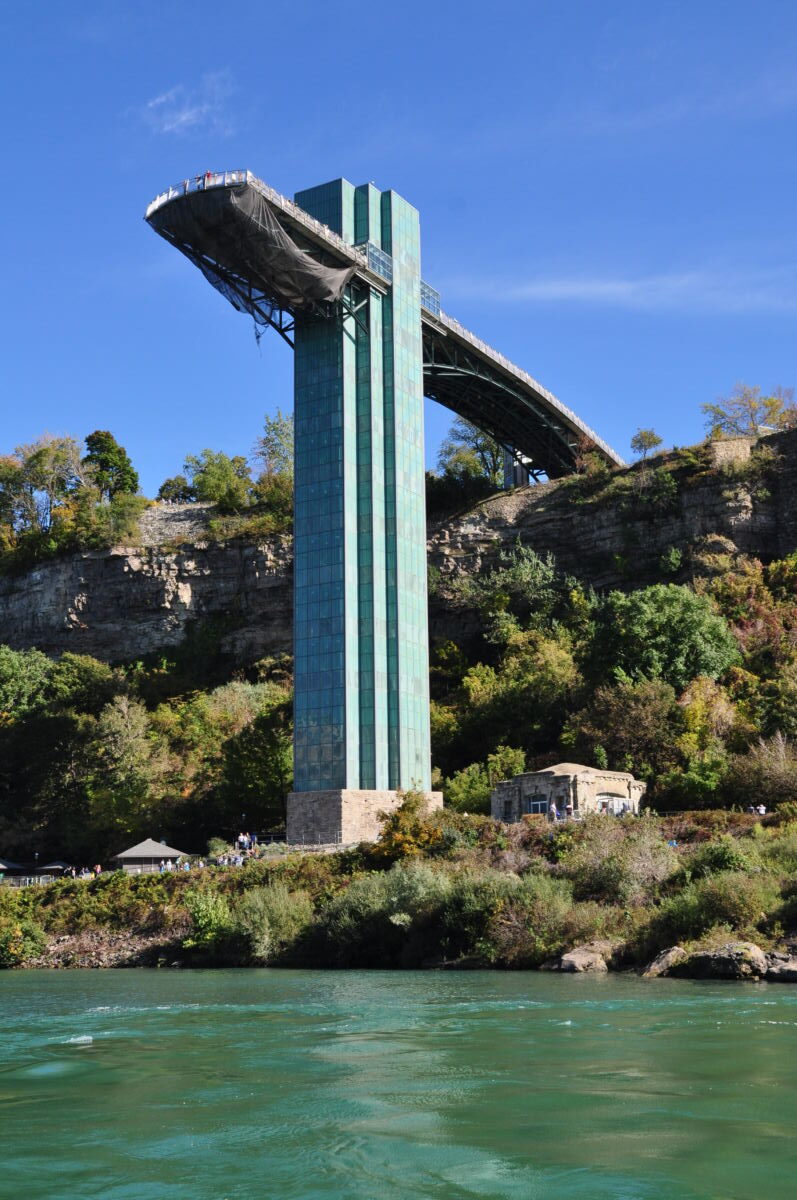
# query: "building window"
508,806
535,804
430,299
609,803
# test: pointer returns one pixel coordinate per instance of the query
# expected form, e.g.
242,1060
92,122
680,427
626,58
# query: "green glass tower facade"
361,642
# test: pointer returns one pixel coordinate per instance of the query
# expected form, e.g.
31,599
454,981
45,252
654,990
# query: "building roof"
579,769
149,848
7,865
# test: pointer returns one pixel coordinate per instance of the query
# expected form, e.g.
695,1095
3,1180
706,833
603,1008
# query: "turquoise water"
348,1085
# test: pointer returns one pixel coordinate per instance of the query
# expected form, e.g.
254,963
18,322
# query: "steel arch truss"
462,381
267,310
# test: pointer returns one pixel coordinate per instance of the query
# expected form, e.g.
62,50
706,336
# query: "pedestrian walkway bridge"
271,259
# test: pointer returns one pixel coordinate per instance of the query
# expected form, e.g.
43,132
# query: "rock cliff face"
613,544
126,602
729,504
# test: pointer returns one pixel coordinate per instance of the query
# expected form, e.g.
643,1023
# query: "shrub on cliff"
380,920
730,898
271,919
618,861
20,940
661,632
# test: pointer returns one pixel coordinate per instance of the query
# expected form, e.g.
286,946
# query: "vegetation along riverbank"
711,894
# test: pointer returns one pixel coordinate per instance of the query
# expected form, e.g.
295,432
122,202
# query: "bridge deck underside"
517,419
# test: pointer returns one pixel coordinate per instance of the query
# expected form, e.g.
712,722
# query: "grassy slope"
452,890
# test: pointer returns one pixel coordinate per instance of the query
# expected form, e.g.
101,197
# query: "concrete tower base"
342,815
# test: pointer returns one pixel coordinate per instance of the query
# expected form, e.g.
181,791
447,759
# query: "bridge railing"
213,179
304,218
198,183
453,324
359,254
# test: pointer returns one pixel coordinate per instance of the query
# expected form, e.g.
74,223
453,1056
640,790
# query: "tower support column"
360,609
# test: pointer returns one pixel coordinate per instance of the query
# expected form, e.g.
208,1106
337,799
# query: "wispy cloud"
698,291
184,109
759,99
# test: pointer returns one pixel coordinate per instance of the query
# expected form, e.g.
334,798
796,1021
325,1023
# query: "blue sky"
606,195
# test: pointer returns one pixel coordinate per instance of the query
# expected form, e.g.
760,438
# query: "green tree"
51,501
258,770
10,488
747,412
645,440
523,582
177,490
112,471
467,453
126,765
660,632
524,701
82,683
469,790
273,495
50,473
46,762
628,727
219,479
274,448
24,678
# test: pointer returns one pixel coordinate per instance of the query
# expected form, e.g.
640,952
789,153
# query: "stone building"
574,790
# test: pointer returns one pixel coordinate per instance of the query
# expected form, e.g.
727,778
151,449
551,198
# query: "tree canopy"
660,632
177,490
274,448
747,412
645,440
219,479
112,471
467,453
52,501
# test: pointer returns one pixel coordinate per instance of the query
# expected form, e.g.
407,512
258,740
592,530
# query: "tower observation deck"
336,273
250,242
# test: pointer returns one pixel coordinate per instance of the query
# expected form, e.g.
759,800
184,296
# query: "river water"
140,1085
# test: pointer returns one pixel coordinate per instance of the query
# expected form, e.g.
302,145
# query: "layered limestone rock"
605,543
718,510
126,602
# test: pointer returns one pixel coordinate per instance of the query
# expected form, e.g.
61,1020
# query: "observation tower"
337,274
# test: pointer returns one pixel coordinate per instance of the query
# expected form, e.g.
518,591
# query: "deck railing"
453,324
214,179
360,256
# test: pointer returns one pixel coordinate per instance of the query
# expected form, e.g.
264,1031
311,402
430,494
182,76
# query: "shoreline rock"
592,957
664,963
733,960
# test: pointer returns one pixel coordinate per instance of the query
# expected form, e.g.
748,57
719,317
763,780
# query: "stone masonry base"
343,816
